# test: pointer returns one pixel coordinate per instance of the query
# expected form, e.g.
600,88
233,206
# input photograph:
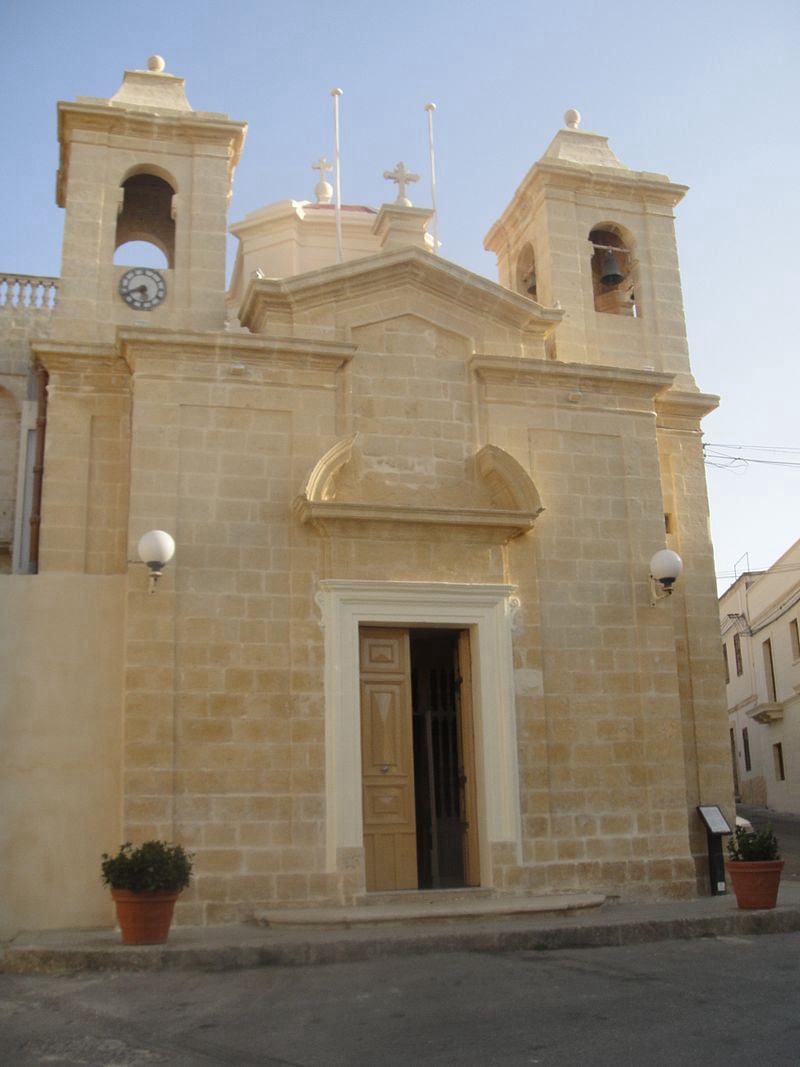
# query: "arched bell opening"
613,271
140,254
146,215
525,280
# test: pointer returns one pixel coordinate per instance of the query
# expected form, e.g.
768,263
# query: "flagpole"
430,108
336,93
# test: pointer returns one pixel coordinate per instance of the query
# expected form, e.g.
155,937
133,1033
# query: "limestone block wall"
604,791
225,729
411,405
224,726
85,496
61,656
709,778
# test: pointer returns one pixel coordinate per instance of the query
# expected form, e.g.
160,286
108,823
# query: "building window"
794,634
725,661
769,671
777,755
737,654
746,746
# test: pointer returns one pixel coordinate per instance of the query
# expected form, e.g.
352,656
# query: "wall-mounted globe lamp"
665,569
156,549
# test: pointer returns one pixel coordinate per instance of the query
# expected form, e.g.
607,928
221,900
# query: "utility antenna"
337,168
430,108
746,558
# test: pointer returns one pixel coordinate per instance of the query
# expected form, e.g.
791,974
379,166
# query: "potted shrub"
754,866
145,883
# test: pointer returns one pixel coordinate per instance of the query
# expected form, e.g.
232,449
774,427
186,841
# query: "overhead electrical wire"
740,462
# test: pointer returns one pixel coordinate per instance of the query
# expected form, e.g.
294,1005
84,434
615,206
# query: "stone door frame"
486,612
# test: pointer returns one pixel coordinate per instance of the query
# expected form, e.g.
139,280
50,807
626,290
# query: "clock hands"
142,289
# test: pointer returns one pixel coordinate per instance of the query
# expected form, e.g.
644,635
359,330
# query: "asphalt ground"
725,1001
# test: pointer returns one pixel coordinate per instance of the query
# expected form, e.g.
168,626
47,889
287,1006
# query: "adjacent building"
408,639
760,626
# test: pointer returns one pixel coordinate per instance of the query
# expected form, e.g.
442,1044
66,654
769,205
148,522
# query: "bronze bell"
530,283
611,274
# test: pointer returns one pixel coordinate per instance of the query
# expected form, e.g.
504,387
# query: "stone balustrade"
29,292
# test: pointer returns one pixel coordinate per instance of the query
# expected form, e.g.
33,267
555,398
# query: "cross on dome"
323,190
402,177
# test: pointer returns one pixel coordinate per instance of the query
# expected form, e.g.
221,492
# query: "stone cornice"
628,184
195,127
288,214
231,348
81,367
50,351
577,377
676,410
504,525
388,271
654,190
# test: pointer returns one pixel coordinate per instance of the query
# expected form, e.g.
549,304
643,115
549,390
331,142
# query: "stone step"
413,910
421,897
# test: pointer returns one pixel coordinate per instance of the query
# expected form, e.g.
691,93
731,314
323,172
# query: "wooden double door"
418,759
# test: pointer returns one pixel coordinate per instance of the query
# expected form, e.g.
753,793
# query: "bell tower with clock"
143,166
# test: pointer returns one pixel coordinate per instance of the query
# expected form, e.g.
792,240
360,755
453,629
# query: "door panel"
390,842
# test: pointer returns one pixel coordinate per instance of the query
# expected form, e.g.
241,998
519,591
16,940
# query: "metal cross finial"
323,189
402,177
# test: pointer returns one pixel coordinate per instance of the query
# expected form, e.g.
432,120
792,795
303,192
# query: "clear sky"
703,91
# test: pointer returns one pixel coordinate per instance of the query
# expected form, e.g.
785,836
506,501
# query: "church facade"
408,639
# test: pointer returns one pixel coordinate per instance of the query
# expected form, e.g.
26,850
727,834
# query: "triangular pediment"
407,274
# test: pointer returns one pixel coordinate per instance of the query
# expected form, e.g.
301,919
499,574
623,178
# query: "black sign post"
716,828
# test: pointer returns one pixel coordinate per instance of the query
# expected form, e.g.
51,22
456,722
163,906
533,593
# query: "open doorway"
419,801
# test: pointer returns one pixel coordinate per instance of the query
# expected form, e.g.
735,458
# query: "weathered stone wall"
61,664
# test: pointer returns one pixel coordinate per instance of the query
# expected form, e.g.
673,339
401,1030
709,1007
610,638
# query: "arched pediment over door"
512,501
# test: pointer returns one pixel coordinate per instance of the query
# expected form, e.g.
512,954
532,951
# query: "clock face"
142,288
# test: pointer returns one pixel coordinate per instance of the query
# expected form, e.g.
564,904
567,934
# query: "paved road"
787,831
727,1001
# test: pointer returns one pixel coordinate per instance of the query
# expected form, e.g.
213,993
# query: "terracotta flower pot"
144,918
755,882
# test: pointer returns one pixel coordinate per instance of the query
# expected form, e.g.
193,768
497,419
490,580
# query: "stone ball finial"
156,64
572,119
324,192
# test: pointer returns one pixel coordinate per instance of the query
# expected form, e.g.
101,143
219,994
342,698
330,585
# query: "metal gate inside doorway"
439,777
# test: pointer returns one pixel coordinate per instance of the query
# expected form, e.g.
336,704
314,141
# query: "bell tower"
143,166
586,233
